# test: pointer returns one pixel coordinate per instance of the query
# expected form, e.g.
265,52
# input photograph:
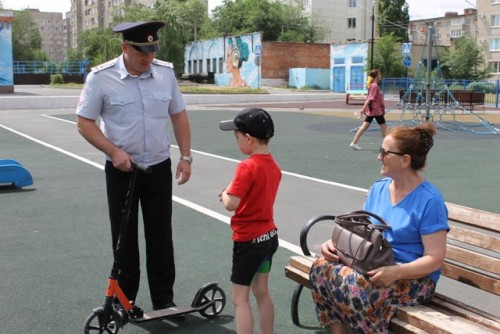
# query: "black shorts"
380,119
248,257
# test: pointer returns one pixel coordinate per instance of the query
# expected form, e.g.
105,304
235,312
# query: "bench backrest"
473,248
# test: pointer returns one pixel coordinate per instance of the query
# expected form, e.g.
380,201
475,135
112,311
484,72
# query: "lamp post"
373,31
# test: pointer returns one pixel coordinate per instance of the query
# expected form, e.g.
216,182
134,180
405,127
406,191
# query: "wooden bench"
469,98
355,94
472,258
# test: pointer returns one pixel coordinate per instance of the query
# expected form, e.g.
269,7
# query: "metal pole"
430,35
373,29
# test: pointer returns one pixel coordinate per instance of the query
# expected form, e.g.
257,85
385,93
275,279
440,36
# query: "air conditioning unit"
481,40
481,16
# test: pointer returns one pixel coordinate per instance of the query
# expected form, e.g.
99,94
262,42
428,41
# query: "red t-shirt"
255,182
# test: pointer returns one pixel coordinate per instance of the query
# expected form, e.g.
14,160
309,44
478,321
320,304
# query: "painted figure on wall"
237,53
6,74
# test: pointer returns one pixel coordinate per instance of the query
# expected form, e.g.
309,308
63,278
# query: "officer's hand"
183,172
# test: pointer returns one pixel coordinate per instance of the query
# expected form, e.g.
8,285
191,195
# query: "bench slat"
297,275
433,321
475,238
465,276
400,327
466,311
487,220
473,259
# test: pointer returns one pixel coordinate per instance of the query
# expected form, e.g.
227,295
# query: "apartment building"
347,20
488,32
481,23
446,28
51,28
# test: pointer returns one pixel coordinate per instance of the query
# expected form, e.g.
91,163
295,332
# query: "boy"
251,195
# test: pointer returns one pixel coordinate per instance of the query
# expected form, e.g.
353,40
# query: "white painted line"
215,215
58,119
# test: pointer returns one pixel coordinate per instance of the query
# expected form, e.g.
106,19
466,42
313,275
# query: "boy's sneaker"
355,146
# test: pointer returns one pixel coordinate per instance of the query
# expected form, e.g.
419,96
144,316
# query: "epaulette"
105,65
163,63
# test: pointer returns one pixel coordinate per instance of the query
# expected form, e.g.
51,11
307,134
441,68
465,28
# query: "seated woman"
346,299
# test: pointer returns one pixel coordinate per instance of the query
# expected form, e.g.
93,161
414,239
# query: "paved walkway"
54,235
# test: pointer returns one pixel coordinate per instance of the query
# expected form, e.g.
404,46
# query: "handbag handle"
348,219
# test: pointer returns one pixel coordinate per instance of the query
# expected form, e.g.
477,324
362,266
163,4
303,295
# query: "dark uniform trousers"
154,193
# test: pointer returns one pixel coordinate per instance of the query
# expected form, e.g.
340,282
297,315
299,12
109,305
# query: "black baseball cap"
143,36
254,121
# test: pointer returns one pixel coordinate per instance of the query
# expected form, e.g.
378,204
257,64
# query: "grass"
212,89
192,89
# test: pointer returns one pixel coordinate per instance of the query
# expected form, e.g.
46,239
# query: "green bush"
485,87
56,79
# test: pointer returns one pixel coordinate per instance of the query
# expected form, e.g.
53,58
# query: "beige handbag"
360,243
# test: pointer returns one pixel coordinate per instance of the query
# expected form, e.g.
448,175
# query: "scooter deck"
164,313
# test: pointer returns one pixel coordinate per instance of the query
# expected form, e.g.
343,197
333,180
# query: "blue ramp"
12,172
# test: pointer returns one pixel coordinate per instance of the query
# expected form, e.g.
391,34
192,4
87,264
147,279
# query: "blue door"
339,79
357,78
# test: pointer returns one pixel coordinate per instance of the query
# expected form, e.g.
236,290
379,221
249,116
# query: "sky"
419,9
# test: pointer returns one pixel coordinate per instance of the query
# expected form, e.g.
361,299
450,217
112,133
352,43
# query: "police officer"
136,96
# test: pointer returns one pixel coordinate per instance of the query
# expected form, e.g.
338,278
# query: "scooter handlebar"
142,168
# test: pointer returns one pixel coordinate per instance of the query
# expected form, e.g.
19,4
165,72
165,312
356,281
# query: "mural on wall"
348,62
232,59
6,74
237,53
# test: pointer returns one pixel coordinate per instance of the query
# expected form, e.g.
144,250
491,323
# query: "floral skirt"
344,295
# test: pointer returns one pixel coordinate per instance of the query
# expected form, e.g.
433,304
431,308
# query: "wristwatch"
186,158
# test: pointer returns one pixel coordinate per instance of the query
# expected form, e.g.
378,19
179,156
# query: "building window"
357,60
495,44
351,22
495,20
352,3
456,22
495,1
456,33
495,66
338,61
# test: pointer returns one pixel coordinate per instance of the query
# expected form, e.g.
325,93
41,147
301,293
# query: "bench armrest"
305,231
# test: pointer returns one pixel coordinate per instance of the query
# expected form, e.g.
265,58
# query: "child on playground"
373,108
251,195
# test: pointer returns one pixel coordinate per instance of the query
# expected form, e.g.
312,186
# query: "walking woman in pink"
372,109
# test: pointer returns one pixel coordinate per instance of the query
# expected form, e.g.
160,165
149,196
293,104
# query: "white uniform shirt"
134,111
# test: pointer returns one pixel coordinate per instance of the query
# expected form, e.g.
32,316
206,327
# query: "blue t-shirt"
421,212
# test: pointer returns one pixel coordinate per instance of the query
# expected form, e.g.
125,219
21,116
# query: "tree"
393,18
99,45
26,38
276,21
465,60
194,16
387,57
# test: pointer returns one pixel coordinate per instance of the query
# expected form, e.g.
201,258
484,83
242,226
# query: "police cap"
143,36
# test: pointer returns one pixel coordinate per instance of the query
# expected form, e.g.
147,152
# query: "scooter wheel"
99,322
216,298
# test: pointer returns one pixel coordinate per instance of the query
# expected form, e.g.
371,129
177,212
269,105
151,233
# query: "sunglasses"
383,152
